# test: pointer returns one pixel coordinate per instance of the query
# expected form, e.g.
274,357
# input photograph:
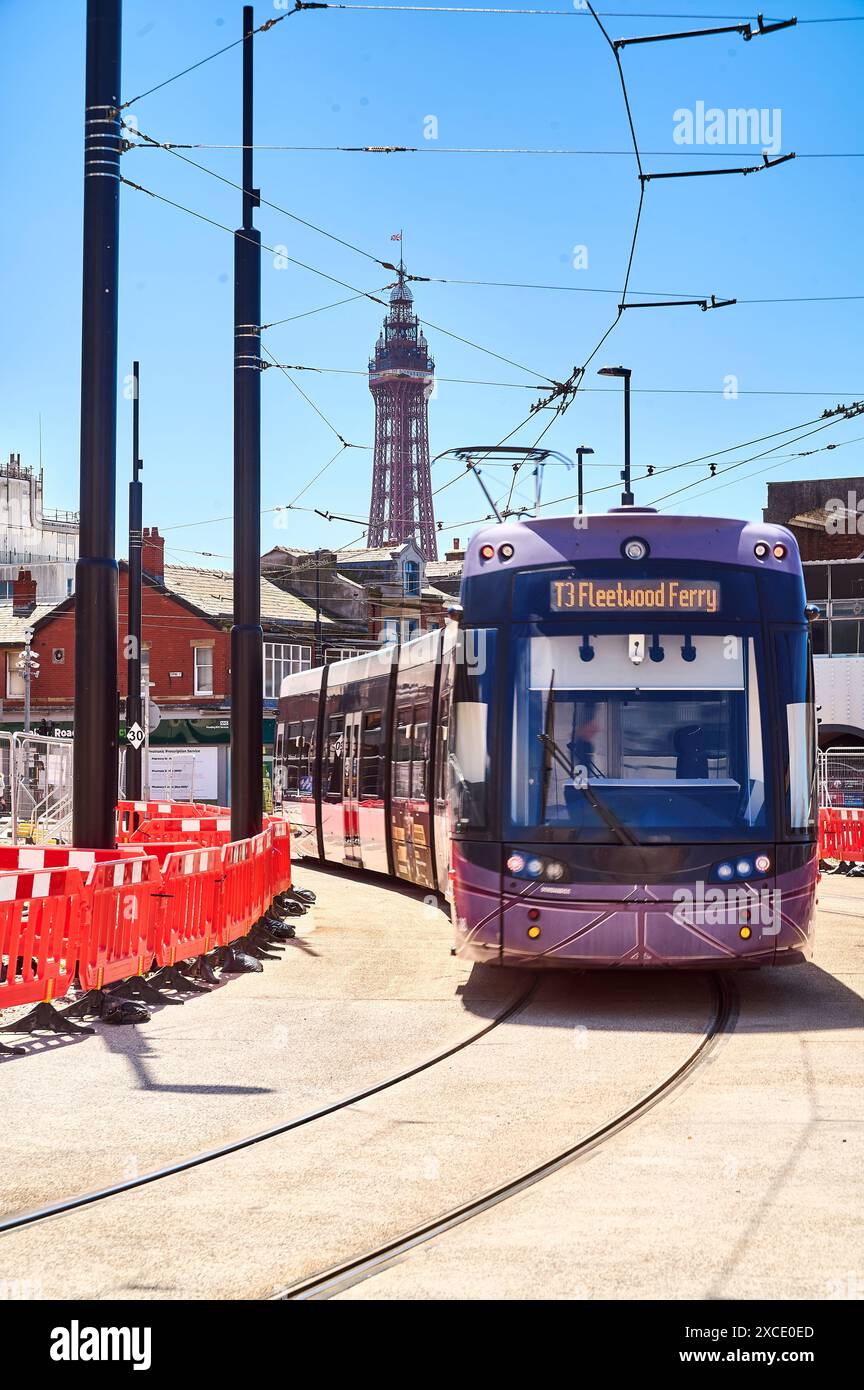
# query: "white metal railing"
36,785
841,777
41,780
7,763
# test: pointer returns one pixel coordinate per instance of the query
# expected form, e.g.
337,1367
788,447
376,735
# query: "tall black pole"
247,674
96,693
319,653
133,689
627,495
581,451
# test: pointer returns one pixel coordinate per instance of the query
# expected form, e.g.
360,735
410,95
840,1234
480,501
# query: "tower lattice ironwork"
401,377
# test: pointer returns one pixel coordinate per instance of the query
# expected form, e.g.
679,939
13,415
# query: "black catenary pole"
627,495
133,689
247,677
96,693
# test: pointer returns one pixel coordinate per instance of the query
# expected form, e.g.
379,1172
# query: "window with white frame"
390,630
203,670
14,677
283,659
411,571
341,654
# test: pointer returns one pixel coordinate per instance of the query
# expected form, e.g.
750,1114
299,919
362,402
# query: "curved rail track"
183,1165
335,1280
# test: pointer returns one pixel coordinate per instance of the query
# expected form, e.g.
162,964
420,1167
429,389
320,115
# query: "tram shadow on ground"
802,999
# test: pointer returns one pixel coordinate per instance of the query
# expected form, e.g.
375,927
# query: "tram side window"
372,758
442,734
290,760
402,752
420,757
279,764
332,772
795,681
470,759
306,760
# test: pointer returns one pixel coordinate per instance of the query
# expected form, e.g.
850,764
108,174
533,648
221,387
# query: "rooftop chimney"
23,593
153,554
457,553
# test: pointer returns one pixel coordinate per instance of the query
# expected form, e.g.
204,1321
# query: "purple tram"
609,762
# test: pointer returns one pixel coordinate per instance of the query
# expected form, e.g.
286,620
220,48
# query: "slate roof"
212,592
12,625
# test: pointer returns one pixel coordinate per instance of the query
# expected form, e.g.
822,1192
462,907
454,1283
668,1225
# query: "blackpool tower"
401,376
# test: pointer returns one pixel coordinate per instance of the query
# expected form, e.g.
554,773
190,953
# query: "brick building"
826,516
382,594
187,617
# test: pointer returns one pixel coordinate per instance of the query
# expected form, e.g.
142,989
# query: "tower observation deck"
401,376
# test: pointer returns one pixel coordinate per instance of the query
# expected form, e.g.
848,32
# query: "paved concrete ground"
366,989
748,1184
744,1183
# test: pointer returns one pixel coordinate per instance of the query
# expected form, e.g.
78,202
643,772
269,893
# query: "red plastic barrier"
199,830
63,856
132,814
246,871
41,919
189,904
117,940
841,833
280,832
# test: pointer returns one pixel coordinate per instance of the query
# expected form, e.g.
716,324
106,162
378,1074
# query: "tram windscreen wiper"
617,826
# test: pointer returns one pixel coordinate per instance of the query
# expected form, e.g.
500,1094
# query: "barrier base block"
136,987
169,977
257,943
44,1019
88,1005
201,968
12,1051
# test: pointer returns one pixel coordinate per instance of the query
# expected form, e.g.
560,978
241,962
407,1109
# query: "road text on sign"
135,735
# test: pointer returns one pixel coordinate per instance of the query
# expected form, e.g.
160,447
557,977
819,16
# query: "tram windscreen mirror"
628,596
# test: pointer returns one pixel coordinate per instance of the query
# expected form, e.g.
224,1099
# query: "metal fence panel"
841,777
6,784
41,777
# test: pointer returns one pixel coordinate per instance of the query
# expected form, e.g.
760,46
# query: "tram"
608,760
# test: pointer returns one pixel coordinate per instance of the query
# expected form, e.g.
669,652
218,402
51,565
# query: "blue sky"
340,78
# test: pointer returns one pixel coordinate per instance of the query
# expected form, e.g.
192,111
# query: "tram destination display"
634,595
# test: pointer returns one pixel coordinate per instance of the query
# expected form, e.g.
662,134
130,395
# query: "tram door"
351,790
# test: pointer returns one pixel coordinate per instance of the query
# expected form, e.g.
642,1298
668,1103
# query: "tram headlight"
505,552
487,552
534,867
744,868
725,871
761,549
554,870
763,863
516,863
779,551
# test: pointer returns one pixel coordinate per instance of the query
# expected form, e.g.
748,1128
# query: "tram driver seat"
691,757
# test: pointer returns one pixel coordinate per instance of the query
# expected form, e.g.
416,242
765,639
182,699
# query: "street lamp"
626,495
28,665
580,452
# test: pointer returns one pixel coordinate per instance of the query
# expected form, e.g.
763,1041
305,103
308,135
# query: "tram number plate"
629,595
